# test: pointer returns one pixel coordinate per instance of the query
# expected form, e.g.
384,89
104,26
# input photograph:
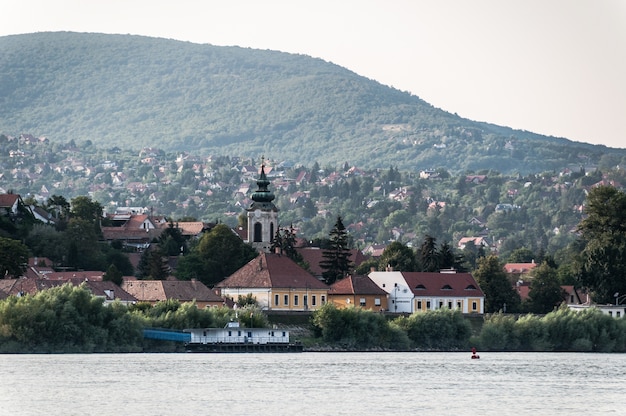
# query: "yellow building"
359,291
277,283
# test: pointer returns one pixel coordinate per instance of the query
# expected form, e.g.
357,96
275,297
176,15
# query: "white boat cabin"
232,333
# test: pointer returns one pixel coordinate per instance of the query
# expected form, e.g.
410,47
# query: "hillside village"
275,281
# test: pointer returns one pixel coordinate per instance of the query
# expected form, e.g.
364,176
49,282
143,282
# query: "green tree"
113,275
399,257
499,292
223,253
603,260
82,247
545,289
428,256
172,241
13,258
85,209
336,263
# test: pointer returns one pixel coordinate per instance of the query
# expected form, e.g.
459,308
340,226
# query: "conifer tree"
336,263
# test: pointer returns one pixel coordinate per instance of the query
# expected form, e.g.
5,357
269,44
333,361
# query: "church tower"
262,215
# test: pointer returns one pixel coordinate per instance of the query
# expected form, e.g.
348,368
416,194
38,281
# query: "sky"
554,67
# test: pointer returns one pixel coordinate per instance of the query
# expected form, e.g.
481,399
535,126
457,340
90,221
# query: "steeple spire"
262,197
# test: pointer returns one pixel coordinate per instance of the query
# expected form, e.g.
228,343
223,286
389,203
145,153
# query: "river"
313,384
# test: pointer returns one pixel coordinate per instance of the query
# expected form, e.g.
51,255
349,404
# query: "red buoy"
474,355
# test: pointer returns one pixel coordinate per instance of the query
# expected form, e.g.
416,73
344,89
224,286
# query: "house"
478,242
153,291
411,292
9,204
134,230
106,290
616,311
358,291
277,283
399,295
519,270
571,295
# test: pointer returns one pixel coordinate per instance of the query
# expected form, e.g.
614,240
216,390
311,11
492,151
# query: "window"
419,305
440,304
296,299
618,314
571,298
306,301
377,301
449,304
230,333
362,302
428,305
258,230
474,306
275,300
314,300
286,300
323,299
610,313
458,305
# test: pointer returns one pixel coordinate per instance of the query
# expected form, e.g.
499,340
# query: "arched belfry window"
271,230
258,228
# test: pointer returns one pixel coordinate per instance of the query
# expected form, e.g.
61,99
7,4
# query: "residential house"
411,292
571,295
519,271
134,230
359,291
277,283
478,242
399,295
108,291
9,204
153,291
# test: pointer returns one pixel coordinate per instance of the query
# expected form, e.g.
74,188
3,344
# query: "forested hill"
132,91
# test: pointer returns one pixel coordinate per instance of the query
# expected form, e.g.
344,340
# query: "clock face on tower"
257,213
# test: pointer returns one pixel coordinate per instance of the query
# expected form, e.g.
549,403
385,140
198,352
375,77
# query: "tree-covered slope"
133,91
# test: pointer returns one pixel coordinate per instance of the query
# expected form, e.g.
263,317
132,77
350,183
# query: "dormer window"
420,287
470,287
446,287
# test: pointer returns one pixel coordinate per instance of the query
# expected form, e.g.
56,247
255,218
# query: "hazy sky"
556,67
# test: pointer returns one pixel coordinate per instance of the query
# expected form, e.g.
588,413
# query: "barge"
234,338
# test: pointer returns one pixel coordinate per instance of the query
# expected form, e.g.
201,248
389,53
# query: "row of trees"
70,319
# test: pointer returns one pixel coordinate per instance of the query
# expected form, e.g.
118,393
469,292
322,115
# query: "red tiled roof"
442,284
356,285
8,200
519,267
272,270
160,290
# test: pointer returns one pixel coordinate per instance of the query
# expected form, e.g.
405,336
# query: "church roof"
269,270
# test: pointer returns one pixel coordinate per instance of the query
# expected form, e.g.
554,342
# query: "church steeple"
262,197
262,214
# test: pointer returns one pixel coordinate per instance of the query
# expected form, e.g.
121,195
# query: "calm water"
312,384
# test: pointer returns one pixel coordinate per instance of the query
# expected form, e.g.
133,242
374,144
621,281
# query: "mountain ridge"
130,90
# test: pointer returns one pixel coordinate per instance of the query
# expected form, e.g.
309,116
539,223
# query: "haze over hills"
133,91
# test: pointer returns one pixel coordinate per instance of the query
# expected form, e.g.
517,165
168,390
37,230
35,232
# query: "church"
262,215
